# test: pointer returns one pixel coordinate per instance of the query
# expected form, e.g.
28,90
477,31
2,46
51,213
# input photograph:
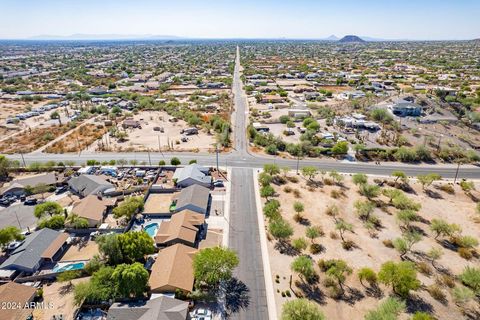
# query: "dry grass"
33,139
78,139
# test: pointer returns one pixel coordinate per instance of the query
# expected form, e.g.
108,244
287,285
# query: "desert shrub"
332,211
296,193
462,295
447,280
292,179
335,194
287,189
424,268
389,309
388,243
422,316
471,278
437,293
447,188
348,244
333,235
299,244
465,253
316,248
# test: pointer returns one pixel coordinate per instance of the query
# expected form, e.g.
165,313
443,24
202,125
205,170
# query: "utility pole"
216,151
23,160
149,159
456,173
298,163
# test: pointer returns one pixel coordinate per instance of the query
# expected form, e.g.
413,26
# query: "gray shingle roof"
161,308
29,253
194,194
87,184
193,171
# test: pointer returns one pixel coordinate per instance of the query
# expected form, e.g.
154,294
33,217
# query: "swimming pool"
61,267
151,229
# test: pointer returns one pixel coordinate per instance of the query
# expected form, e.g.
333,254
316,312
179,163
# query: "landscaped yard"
327,214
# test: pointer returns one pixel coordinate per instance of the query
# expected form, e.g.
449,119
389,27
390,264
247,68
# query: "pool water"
69,267
151,229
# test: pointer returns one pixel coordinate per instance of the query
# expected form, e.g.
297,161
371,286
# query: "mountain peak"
351,39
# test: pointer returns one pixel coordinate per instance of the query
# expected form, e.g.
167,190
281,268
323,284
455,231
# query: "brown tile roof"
182,226
91,207
173,269
18,294
55,246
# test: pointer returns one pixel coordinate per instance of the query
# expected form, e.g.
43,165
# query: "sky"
304,19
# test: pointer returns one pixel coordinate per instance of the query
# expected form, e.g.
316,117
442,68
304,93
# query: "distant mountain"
351,39
80,36
332,38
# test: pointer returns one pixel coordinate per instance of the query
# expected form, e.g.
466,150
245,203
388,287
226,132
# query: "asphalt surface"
15,214
244,238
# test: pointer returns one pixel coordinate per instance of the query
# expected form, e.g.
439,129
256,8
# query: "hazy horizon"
267,19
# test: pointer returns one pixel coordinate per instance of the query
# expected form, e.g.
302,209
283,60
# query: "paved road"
244,238
240,119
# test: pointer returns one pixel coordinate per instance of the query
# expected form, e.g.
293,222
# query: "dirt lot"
147,139
31,140
79,139
81,251
60,295
369,250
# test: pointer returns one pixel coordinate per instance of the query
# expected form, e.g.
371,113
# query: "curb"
267,272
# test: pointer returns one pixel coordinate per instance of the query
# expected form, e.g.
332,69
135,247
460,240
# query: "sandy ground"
214,239
81,252
61,298
371,252
147,139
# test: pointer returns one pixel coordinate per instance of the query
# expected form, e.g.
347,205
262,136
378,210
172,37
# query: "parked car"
218,183
61,189
31,202
4,202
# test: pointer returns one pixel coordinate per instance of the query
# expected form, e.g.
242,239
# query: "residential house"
403,108
183,228
173,270
45,245
87,184
192,174
93,208
17,186
13,299
272,99
160,308
195,198
131,124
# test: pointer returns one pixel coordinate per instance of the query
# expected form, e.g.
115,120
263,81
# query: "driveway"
9,215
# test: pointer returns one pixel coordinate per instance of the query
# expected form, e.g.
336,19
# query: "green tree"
5,165
135,245
109,247
129,207
359,178
76,222
404,244
301,309
310,172
271,210
405,217
271,169
400,175
280,229
265,179
299,244
422,316
367,274
337,177
364,209
389,309
213,265
313,233
434,254
342,226
339,271
49,208
68,276
299,208
303,265
56,222
9,234
267,191
175,161
56,116
427,179
131,280
392,193
443,228
340,148
402,277
369,191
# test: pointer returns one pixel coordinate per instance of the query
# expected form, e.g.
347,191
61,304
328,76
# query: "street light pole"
216,151
456,173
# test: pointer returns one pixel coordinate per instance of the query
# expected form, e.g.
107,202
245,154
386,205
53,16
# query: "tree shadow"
285,248
312,292
374,291
433,194
305,222
352,296
235,294
415,303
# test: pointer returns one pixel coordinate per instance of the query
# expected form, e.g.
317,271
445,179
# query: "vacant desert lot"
146,138
369,249
31,139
